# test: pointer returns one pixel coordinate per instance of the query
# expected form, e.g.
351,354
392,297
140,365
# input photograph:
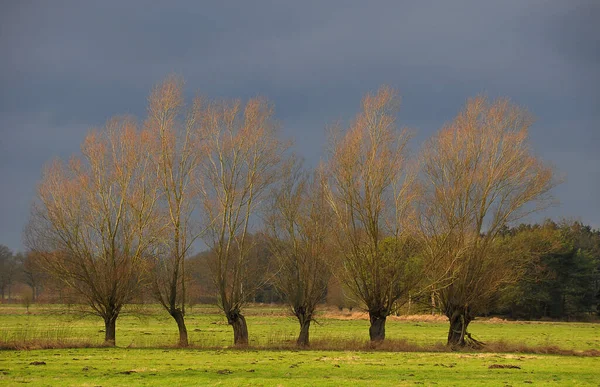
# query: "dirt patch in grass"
509,366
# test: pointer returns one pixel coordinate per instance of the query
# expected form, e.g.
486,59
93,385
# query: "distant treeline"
563,283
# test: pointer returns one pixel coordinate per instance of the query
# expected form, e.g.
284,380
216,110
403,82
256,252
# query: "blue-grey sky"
68,66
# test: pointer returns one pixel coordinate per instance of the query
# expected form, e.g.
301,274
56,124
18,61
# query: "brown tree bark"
377,328
240,329
458,336
110,330
178,315
458,328
303,337
304,318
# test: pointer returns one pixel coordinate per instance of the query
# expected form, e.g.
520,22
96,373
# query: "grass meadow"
59,345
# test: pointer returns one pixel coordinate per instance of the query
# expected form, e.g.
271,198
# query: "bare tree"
93,222
243,155
299,229
175,153
478,174
371,199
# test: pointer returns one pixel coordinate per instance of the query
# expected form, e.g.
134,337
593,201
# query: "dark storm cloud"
68,66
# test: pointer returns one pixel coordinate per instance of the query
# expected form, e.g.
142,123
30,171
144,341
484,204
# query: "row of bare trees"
127,210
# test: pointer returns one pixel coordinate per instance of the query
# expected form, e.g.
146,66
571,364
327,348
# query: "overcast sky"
68,66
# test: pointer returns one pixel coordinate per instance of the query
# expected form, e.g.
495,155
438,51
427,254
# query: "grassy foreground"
272,327
145,355
175,367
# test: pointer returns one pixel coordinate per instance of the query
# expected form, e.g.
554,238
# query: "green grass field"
175,367
145,353
272,326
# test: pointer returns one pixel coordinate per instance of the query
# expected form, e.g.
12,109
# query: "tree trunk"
457,334
240,329
377,328
304,318
183,334
458,329
110,329
303,337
